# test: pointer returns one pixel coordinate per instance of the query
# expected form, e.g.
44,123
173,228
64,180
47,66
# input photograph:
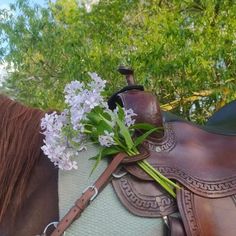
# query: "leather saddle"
201,159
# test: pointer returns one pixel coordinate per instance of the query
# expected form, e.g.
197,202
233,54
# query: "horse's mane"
20,143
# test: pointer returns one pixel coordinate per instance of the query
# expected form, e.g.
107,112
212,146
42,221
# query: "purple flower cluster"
65,133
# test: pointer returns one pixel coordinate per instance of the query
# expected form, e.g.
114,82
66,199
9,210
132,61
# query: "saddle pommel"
146,106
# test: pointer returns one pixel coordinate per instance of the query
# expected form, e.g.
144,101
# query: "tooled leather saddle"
202,160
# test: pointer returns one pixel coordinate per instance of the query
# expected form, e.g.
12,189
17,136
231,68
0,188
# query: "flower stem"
158,177
120,144
87,131
161,175
132,153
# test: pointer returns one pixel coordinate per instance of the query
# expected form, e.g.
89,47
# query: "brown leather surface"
203,162
146,106
144,198
175,227
145,154
207,217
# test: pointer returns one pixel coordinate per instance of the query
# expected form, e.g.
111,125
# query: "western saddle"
201,159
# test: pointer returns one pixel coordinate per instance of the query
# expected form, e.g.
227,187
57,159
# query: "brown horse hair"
20,151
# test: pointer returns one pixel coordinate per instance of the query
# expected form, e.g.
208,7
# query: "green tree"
183,51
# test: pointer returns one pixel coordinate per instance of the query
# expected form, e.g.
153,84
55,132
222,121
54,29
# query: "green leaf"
121,113
98,158
108,151
93,117
124,131
143,126
105,120
141,138
102,126
103,152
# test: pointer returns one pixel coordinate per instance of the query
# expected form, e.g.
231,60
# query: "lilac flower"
97,83
74,86
129,113
107,139
71,90
77,115
128,117
55,143
80,101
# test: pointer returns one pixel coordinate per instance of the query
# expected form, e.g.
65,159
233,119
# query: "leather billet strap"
175,226
88,195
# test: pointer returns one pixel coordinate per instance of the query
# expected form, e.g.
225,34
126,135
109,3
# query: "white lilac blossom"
55,143
97,83
65,133
128,117
107,139
129,113
80,101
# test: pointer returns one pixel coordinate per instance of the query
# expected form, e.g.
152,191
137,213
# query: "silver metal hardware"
95,191
54,223
119,175
165,219
119,172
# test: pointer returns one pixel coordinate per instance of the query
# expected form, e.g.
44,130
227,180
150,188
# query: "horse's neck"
44,171
40,205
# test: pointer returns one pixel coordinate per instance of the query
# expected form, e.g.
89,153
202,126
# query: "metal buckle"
95,191
54,223
119,173
165,219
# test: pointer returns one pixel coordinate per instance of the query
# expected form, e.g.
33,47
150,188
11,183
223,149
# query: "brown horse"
28,180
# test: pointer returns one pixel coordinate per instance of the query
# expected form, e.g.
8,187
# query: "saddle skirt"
202,162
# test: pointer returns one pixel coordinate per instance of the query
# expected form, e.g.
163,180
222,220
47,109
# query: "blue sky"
5,3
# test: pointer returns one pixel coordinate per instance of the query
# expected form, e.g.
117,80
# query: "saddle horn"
129,74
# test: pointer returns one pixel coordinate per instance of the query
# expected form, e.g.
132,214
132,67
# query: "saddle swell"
202,162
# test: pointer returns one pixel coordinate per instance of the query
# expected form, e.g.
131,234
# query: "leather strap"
88,195
175,226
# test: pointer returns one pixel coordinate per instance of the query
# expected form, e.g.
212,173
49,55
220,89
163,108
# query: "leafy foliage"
184,51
